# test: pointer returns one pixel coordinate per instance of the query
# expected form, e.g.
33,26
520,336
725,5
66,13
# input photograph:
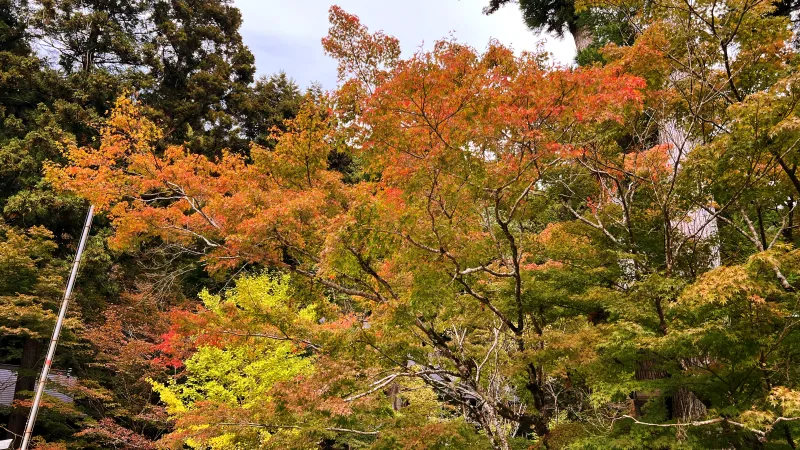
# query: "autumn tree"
62,65
439,252
29,298
520,251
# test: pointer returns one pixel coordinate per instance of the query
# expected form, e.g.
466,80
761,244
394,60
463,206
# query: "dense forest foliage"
62,67
455,249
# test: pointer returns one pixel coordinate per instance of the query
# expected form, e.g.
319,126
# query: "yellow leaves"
127,124
757,419
232,382
719,286
209,300
259,293
168,397
646,56
787,400
225,441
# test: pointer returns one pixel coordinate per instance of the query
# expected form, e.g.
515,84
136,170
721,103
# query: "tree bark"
393,392
646,370
26,382
791,172
686,406
534,386
582,35
787,433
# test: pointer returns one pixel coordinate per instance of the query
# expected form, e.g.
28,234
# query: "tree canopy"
62,67
454,249
518,255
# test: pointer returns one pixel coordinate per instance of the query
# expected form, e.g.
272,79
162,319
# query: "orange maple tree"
452,147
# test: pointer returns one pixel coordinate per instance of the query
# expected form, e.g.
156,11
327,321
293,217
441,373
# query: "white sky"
285,34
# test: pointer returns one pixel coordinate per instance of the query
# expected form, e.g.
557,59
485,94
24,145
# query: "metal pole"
56,332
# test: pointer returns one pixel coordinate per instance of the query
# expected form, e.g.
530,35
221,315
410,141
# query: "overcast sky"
285,34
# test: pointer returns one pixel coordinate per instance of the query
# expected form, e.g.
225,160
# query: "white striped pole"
26,439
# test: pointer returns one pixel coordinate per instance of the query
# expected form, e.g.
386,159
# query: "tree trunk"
26,382
393,392
701,224
646,370
534,386
582,35
686,406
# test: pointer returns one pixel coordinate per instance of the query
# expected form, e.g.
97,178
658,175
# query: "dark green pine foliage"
552,16
592,28
202,73
88,35
271,100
